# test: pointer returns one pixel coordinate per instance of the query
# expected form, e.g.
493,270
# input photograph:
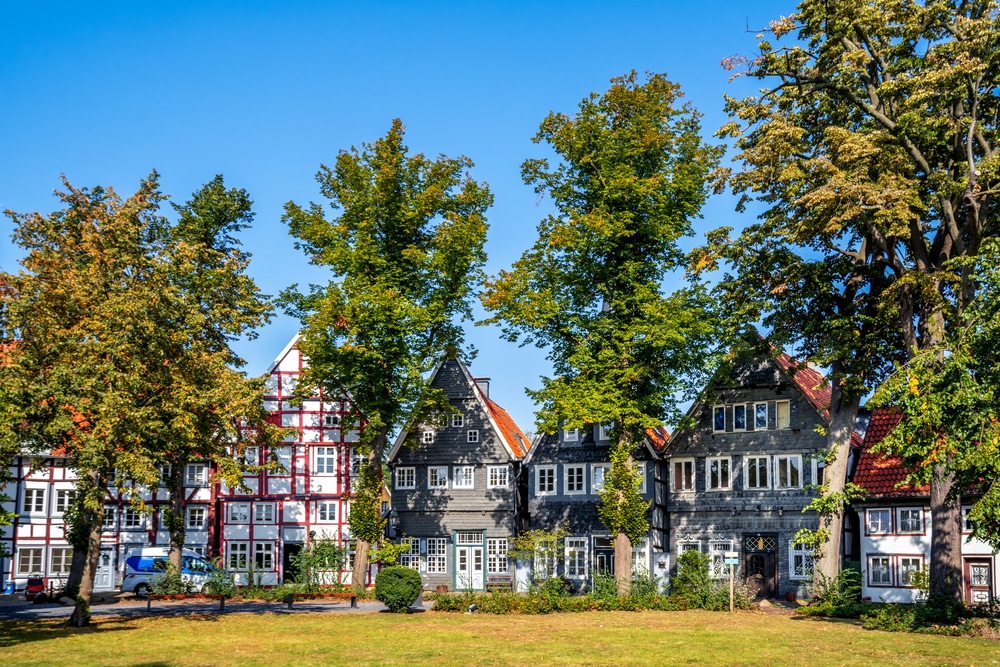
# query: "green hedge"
397,587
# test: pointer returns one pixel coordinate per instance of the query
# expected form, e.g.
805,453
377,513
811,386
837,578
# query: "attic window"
719,418
458,421
782,414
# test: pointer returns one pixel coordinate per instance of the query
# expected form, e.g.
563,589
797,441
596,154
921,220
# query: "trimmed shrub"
397,588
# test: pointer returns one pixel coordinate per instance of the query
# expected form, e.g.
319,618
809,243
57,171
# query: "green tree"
630,179
405,252
875,139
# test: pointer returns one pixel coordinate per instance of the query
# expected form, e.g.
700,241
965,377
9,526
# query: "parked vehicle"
34,588
145,565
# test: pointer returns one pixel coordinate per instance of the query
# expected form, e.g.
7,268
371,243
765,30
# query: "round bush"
397,588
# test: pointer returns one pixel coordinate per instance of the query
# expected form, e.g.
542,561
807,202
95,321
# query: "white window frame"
605,469
472,436
406,477
132,519
715,419
782,421
756,424
871,570
264,512
427,437
899,520
238,512
883,527
251,456
717,568
497,477
327,508
64,500
33,564
237,556
723,462
463,477
61,566
571,435
191,519
688,545
331,421
575,557
577,471
458,421
966,526
165,471
437,477
196,474
686,466
324,460
766,467
549,472
437,555
604,431
37,505
410,558
496,555
785,461
743,406
356,461
906,570
801,561
110,521
263,556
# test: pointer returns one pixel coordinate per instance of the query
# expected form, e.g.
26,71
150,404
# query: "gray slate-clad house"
565,473
740,478
459,490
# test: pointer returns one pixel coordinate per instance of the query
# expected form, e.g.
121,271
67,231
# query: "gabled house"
896,528
565,475
740,478
458,489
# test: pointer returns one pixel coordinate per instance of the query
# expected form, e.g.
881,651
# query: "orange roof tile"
880,474
658,437
512,433
809,381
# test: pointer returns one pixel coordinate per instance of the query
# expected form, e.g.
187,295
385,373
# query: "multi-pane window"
166,470
911,521
760,416
473,436
29,561
599,473
326,460
331,420
238,555
33,501
497,477
545,480
458,421
356,460
437,477
427,437
684,475
879,521
238,513
571,435
496,555
909,567
196,474
437,560
406,478
410,558
739,417
573,478
719,418
782,414
717,552
800,561
131,518
326,511
718,473
59,560
788,471
756,472
109,522
576,557
640,474
604,431
465,477
263,512
64,498
966,524
195,517
251,456
879,571
263,556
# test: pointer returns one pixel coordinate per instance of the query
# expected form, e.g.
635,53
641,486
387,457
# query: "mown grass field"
600,638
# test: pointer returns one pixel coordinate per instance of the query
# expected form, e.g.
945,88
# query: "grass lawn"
599,638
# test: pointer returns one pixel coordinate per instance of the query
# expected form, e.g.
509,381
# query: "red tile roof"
878,473
512,433
658,437
809,381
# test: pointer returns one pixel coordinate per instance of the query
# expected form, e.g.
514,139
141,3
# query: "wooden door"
760,564
978,580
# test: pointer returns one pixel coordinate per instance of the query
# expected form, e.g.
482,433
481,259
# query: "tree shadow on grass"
21,631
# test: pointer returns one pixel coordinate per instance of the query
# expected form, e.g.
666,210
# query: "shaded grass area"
599,638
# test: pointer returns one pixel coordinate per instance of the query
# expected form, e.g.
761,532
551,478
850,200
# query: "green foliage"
837,593
542,548
171,583
319,563
220,582
397,588
366,508
692,580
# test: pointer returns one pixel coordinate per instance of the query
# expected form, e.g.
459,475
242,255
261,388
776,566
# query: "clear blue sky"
263,92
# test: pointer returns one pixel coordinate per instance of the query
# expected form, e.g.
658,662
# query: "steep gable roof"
810,382
879,474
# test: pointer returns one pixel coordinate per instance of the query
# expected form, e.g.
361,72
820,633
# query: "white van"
145,565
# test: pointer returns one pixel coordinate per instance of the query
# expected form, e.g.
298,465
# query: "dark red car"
35,586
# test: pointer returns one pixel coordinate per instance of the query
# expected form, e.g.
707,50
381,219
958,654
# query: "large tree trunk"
623,563
843,415
174,516
363,543
946,536
81,613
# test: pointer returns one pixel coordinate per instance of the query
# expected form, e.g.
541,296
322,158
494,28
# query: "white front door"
469,568
104,579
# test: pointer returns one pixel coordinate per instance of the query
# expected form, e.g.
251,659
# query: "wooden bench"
187,596
496,582
292,597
